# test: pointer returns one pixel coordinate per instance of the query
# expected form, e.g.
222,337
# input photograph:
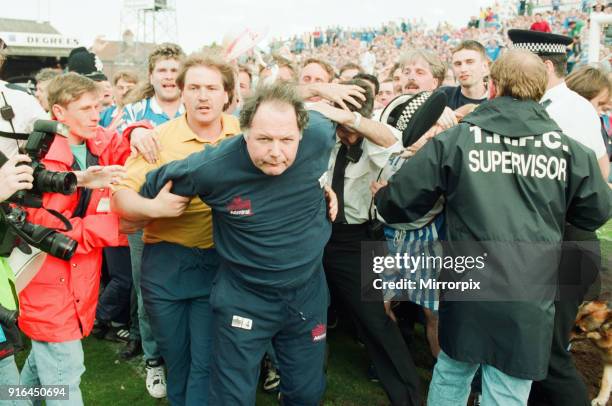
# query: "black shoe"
118,334
100,329
372,375
131,349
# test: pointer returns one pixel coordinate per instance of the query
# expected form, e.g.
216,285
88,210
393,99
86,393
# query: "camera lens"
55,182
50,241
61,246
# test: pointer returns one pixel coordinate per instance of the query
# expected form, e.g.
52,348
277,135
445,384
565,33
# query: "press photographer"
57,307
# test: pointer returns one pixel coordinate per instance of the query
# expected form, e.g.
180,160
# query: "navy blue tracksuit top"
268,230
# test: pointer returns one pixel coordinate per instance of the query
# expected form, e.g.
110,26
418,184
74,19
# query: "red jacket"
59,304
542,26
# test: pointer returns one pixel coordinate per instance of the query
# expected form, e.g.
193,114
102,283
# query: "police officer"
573,113
506,157
579,120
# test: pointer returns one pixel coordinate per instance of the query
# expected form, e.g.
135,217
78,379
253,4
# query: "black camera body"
15,230
36,148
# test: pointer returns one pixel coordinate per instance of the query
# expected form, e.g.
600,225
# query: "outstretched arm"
178,172
128,204
376,132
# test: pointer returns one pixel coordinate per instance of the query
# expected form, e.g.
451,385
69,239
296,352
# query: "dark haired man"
266,200
362,149
470,66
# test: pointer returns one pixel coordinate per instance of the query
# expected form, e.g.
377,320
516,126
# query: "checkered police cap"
413,115
409,108
540,43
539,48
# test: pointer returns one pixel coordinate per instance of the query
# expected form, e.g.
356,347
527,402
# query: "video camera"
15,230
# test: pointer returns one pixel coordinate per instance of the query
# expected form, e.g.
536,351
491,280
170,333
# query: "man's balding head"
519,74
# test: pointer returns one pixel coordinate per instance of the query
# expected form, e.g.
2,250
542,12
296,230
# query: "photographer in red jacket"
58,306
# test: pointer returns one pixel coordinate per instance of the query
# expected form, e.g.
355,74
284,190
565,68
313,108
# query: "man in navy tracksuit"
270,228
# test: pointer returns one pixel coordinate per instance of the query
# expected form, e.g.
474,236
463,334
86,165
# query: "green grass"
110,381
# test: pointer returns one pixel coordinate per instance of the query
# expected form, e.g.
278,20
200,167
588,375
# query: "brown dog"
594,322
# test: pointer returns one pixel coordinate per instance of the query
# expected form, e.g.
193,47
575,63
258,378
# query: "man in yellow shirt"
179,260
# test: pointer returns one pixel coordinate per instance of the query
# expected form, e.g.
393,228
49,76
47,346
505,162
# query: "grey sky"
202,21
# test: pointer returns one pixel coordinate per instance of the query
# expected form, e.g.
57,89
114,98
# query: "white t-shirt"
576,117
27,110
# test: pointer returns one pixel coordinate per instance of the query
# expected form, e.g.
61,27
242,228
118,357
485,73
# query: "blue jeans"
450,384
149,345
55,364
176,290
9,375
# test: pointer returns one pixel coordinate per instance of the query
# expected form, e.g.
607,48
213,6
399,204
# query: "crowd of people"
222,206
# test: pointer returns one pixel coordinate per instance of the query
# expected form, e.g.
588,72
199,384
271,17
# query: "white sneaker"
156,381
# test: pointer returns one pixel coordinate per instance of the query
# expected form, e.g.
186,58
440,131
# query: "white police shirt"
576,117
359,175
27,110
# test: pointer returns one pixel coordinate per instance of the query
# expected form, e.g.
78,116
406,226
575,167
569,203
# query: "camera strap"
15,136
7,112
60,217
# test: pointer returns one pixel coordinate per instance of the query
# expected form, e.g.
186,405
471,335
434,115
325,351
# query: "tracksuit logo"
239,207
319,332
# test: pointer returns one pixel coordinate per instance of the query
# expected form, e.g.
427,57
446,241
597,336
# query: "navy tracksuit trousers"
247,318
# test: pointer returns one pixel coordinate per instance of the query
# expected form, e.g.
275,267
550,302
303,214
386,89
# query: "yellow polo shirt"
194,227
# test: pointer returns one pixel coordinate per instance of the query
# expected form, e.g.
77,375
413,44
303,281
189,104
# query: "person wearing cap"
578,119
362,148
87,63
574,114
509,175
